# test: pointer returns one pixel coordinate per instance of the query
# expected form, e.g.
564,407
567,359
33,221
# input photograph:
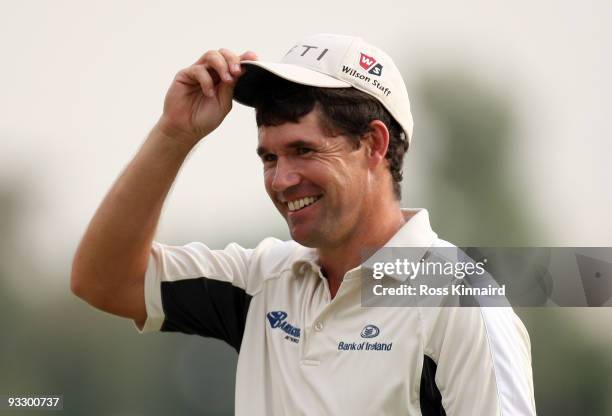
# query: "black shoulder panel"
431,399
206,307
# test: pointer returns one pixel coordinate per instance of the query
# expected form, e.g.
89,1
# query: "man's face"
317,182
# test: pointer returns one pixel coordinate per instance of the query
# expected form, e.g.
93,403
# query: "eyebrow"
261,150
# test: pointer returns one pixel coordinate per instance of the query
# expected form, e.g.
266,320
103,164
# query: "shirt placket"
317,330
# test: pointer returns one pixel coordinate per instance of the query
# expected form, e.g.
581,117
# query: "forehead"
308,129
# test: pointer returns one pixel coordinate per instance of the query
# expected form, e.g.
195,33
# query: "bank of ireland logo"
370,331
369,63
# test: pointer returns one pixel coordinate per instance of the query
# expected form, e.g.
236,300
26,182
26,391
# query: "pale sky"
83,82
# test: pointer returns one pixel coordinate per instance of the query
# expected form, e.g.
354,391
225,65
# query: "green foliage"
474,198
472,186
98,362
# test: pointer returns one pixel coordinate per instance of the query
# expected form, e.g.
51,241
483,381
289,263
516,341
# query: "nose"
284,176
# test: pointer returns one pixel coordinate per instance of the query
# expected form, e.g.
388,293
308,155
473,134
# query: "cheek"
346,174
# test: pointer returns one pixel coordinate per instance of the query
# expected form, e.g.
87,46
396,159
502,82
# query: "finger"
202,58
199,74
225,94
233,60
215,61
249,56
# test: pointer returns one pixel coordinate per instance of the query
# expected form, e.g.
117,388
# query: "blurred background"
511,104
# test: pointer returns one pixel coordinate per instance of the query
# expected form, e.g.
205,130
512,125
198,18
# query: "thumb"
226,94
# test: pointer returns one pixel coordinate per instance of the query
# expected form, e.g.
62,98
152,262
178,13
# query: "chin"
307,239
306,243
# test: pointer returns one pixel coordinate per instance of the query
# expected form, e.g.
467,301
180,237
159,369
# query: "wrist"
173,140
172,134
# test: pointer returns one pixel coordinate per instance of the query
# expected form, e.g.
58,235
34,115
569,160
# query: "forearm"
116,245
110,263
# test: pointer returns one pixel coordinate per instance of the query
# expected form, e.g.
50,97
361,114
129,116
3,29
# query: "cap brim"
248,84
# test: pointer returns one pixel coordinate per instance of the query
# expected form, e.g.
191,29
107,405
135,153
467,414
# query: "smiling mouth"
302,203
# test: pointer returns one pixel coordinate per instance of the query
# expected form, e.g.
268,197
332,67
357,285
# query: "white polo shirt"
303,353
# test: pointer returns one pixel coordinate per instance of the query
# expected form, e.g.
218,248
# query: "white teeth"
301,203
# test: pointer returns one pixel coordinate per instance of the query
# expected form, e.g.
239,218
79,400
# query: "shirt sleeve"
195,290
482,360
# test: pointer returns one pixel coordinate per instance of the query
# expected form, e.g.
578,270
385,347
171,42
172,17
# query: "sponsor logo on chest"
368,332
278,320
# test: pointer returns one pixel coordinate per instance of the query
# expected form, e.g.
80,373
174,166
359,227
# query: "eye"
268,157
304,150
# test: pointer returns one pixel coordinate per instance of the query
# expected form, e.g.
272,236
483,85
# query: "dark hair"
344,111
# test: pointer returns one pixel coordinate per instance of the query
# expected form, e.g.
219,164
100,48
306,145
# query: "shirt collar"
416,232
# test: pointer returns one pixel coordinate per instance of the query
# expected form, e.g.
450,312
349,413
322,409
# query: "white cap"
335,61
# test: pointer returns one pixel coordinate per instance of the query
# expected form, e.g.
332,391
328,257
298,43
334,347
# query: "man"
334,123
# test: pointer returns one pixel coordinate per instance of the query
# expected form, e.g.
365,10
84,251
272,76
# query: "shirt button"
318,326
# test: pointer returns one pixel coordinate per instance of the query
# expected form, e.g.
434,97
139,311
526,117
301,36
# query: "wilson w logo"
366,61
369,63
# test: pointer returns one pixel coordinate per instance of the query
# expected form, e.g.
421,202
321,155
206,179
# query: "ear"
377,143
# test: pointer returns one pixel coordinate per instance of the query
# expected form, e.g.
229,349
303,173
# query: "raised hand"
201,95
